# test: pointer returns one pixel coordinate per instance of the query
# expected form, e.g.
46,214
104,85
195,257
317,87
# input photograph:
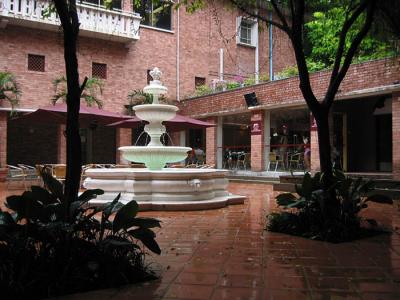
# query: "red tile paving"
227,254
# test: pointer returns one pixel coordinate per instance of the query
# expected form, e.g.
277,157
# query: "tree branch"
280,16
297,42
258,16
342,39
335,82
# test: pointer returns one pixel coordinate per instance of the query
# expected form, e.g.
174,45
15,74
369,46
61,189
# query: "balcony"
96,22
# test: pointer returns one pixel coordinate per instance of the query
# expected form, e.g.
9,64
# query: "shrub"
202,90
309,216
49,247
233,85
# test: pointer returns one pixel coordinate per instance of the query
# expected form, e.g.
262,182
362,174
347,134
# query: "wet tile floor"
227,254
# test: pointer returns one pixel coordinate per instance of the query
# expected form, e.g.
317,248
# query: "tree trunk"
74,157
70,24
322,118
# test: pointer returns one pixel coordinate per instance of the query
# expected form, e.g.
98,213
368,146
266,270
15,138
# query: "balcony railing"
95,21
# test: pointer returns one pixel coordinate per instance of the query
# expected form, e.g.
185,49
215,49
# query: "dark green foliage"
309,213
45,251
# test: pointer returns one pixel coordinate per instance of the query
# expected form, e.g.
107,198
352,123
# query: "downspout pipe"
270,52
178,98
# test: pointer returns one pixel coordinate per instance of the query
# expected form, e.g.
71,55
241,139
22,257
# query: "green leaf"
89,195
142,222
117,241
297,204
6,218
307,185
43,195
110,208
146,236
125,213
15,203
55,187
285,199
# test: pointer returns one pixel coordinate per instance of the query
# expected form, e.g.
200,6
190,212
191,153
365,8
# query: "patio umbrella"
178,123
87,115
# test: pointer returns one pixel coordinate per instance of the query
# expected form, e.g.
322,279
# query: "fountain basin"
167,189
155,112
155,157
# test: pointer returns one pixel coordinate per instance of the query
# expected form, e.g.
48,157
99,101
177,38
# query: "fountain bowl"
155,112
154,157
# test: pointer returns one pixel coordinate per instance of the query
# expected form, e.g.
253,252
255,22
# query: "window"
246,33
198,81
149,78
156,14
99,70
116,4
36,62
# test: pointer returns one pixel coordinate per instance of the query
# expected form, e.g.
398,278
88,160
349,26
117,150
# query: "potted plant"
93,87
137,97
9,91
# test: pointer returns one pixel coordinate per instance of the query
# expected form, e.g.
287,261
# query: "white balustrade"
104,23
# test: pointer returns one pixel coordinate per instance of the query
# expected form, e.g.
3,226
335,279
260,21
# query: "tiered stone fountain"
156,187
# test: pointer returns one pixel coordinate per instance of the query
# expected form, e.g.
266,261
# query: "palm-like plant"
9,89
90,93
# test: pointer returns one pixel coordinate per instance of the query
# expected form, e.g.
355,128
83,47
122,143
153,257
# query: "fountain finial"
156,74
155,87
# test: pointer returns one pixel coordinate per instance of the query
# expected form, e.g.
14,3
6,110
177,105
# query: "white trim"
253,34
157,29
17,109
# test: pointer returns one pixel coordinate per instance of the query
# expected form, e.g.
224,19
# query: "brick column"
396,135
124,138
61,145
315,165
3,138
257,141
211,142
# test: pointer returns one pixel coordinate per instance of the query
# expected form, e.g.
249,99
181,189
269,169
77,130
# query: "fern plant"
9,88
93,87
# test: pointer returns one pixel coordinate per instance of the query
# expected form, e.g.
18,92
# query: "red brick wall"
396,135
211,142
3,138
200,41
257,143
360,76
123,138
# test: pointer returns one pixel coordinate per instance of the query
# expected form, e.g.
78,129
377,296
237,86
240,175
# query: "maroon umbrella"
178,123
87,115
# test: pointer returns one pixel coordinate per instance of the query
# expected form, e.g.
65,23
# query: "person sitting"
199,155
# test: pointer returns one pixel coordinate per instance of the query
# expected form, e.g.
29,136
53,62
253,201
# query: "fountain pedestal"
167,189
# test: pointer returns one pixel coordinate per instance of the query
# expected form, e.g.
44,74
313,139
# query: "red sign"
255,128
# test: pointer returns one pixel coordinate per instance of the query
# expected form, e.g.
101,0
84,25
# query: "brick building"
365,119
115,46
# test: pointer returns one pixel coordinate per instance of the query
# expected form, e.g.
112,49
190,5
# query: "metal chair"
59,172
274,159
16,174
296,160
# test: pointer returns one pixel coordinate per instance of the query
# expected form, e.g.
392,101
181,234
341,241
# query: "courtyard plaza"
227,254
